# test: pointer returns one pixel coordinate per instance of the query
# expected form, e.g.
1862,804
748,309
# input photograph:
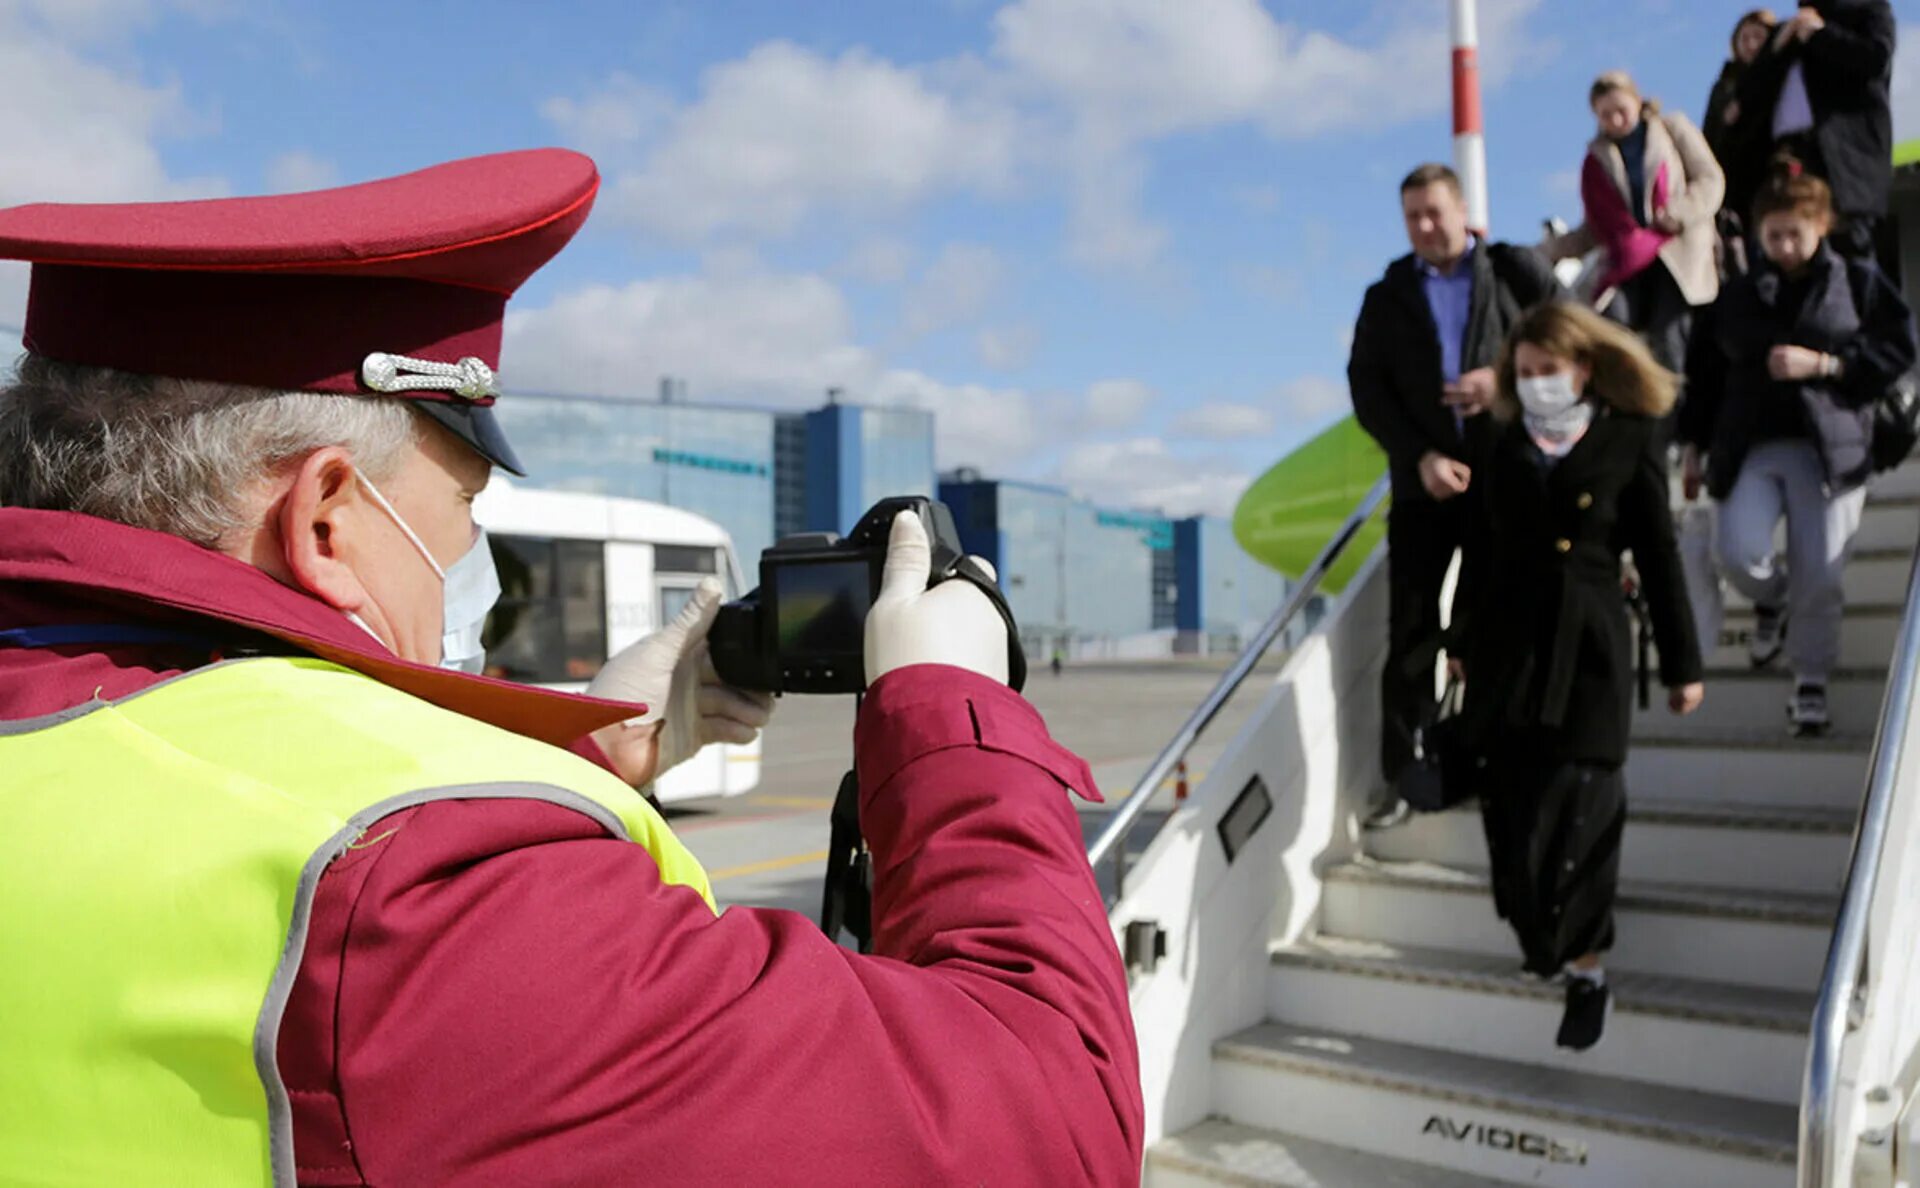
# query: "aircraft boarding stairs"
1354,1016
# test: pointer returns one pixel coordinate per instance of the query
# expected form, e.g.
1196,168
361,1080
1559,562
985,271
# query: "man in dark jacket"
1421,376
1820,91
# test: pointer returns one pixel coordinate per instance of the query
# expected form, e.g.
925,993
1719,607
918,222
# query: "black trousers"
1652,305
1553,845
1421,538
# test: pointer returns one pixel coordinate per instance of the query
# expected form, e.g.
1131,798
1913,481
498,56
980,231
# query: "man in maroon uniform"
255,426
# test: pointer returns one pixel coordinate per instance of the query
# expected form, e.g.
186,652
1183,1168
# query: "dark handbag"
1896,422
1434,780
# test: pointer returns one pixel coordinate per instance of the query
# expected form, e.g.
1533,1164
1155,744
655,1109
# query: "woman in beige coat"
1651,188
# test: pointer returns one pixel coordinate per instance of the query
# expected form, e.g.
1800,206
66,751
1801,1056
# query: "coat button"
1585,501
1563,545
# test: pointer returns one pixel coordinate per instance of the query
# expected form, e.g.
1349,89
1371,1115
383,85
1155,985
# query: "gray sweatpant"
1785,478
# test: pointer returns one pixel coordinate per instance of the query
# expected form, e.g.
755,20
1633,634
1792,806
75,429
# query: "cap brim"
476,425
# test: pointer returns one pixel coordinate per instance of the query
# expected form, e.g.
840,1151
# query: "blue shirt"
1450,297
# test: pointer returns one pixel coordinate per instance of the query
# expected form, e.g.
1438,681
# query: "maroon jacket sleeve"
498,993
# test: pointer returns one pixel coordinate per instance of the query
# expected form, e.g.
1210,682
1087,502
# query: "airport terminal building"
1084,581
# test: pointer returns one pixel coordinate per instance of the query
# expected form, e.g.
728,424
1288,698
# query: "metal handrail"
1121,823
1836,1012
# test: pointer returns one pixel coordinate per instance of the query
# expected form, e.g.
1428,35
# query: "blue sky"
1115,244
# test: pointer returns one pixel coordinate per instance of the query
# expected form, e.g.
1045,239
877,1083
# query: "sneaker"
1807,712
1586,1014
1769,636
1389,815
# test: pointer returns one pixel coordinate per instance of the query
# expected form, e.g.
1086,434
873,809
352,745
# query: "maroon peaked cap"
296,291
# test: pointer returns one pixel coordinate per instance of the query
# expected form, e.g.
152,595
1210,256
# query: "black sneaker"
1808,711
1586,1015
1769,635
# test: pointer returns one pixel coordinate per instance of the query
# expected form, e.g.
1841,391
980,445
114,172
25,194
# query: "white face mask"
468,590
1554,411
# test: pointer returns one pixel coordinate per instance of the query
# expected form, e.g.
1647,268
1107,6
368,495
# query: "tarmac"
768,848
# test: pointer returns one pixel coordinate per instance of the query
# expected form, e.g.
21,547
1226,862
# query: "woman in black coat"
1739,144
1571,482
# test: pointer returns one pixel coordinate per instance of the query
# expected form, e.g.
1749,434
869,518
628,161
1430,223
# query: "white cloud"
955,289
1906,83
1222,421
993,429
1133,71
879,260
1007,348
1312,397
1143,472
1111,405
74,129
775,337
784,133
298,170
1259,201
623,113
762,338
1271,282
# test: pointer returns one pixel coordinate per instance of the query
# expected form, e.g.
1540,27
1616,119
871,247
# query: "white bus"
583,576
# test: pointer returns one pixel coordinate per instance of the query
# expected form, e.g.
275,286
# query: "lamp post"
1469,142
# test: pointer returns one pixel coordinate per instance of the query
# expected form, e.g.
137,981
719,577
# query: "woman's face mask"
1547,395
469,588
1553,410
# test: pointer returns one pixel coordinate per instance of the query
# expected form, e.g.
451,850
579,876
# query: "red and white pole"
1469,140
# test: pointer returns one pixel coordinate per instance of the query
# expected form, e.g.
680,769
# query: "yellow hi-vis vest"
158,857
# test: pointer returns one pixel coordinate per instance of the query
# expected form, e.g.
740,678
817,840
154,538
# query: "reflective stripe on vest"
158,857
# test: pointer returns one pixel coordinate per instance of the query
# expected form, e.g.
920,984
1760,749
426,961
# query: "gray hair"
176,456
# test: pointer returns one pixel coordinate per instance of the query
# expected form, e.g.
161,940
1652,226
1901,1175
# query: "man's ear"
318,519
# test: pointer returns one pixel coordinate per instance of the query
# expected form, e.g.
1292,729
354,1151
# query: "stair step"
1780,771
1892,523
1877,576
1663,729
1902,481
1688,1034
1867,635
1221,1152
1773,939
1717,844
1739,697
1484,1116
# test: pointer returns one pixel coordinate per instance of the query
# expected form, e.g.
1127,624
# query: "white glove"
953,623
671,672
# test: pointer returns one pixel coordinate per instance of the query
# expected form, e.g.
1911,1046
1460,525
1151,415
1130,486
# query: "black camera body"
804,629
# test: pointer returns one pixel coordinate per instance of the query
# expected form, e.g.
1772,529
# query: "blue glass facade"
1073,572
759,473
856,456
713,460
1223,594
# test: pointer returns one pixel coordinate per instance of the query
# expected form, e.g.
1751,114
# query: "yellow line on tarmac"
798,802
752,868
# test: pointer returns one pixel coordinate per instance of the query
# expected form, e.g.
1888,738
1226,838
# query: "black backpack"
1896,423
1896,414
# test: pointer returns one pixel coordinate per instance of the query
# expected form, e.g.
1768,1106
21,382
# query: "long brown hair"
1624,374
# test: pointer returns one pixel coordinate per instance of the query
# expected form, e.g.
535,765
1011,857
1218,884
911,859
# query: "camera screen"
823,607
